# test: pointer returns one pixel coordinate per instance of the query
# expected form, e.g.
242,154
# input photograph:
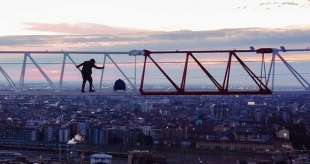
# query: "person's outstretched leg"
84,82
83,85
91,84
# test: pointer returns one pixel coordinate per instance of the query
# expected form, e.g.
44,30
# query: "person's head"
92,61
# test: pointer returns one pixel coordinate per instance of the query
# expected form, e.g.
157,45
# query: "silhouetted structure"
119,85
142,157
86,73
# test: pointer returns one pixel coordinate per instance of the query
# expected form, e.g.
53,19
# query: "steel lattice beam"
262,81
221,89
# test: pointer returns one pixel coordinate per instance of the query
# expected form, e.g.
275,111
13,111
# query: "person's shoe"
91,90
82,91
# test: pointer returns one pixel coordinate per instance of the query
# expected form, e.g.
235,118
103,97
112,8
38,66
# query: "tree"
145,140
298,136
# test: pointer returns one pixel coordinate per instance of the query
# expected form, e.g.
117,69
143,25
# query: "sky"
109,24
118,25
22,17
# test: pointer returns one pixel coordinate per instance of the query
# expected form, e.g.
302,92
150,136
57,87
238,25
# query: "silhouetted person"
86,73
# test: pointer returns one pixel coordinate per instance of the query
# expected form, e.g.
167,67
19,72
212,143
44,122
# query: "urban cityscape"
162,129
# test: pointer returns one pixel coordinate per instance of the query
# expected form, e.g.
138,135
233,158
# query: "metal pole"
214,81
136,71
143,74
62,70
177,88
270,68
183,82
69,57
227,74
22,75
258,82
273,71
263,69
102,72
50,82
121,71
8,78
300,79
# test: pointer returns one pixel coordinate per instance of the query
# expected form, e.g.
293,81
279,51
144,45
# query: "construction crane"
264,81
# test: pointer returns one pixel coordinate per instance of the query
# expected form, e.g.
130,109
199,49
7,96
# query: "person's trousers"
87,77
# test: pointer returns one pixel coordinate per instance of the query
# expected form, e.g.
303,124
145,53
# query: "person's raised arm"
78,66
98,67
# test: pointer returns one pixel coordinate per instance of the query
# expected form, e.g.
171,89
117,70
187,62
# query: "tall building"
64,134
97,135
51,133
101,159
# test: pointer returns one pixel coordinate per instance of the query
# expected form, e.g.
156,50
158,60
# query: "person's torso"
87,67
